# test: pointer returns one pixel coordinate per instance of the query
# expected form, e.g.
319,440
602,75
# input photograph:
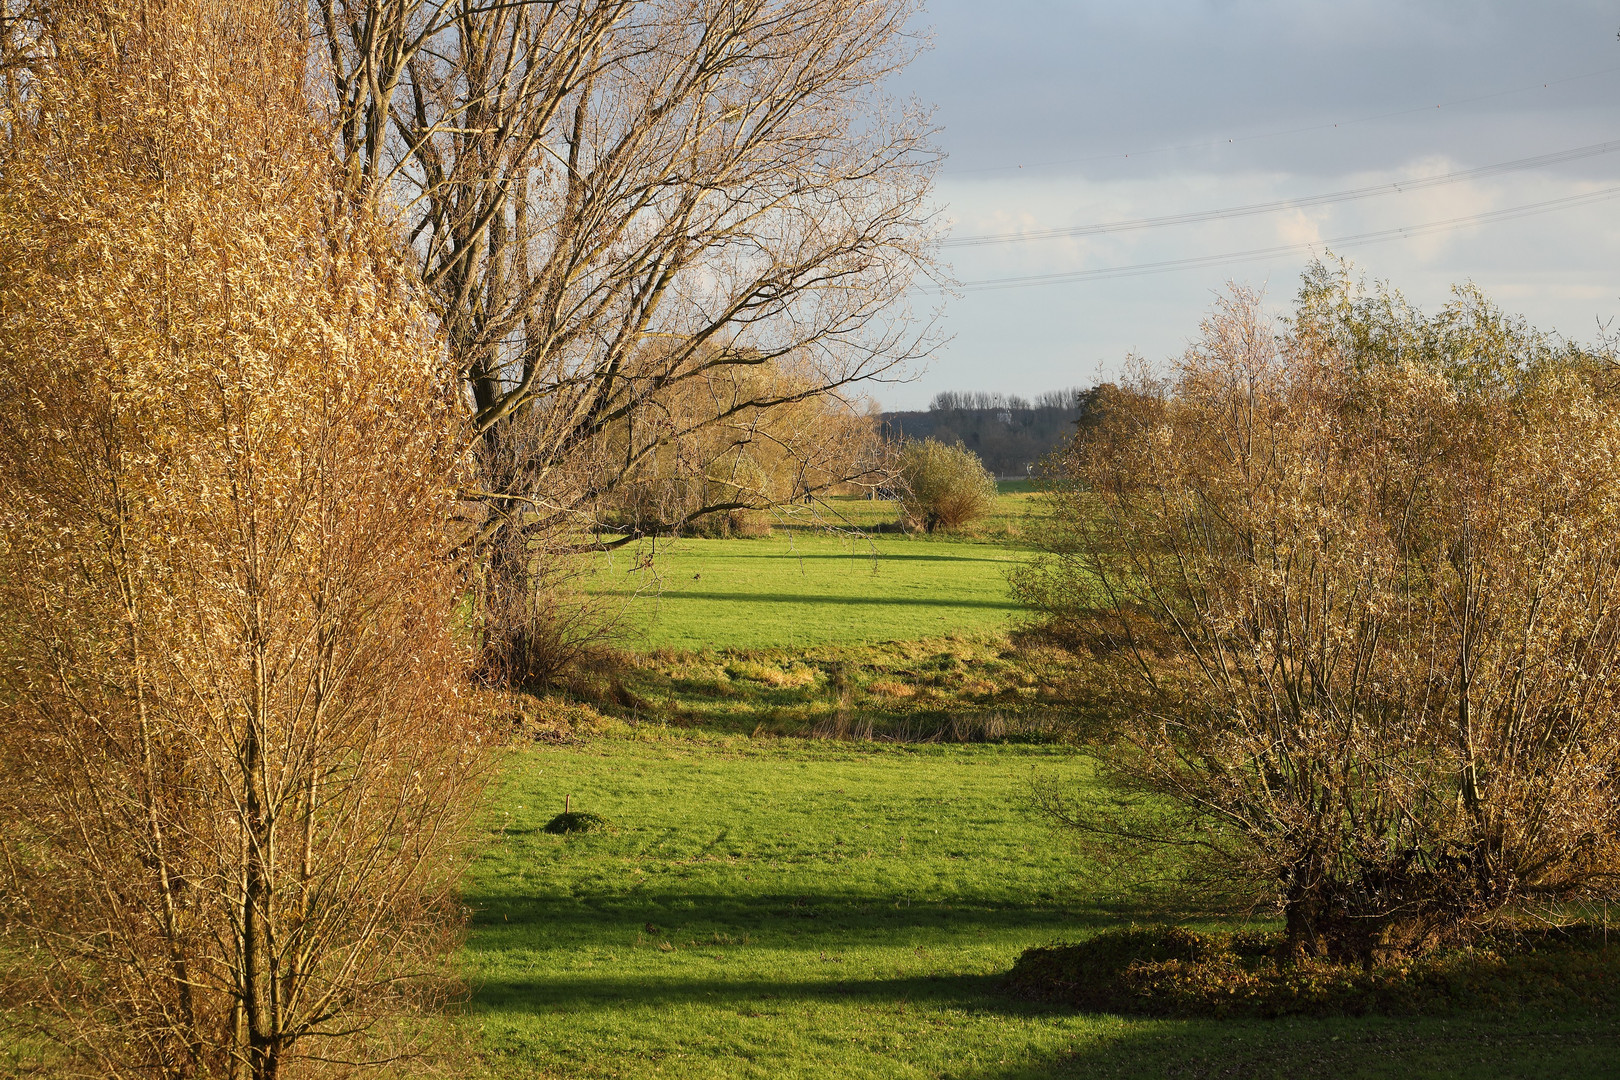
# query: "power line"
1196,262
1197,216
1285,131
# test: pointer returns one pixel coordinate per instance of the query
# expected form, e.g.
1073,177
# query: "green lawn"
808,588
783,908
836,572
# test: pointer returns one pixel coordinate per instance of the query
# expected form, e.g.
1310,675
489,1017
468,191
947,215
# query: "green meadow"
808,589
762,904
799,908
822,577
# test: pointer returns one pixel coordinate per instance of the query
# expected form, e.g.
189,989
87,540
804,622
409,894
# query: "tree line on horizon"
1009,433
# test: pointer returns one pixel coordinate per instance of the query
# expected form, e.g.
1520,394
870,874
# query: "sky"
1060,114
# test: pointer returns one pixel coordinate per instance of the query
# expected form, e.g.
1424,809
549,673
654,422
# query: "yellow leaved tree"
234,763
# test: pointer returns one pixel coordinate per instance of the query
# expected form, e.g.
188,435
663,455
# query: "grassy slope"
797,909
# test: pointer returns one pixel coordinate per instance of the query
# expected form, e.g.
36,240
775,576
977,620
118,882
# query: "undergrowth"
986,688
1171,971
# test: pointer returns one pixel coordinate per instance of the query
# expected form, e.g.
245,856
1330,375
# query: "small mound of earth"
572,821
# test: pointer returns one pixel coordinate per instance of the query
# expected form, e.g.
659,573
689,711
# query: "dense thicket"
234,765
1357,586
1010,434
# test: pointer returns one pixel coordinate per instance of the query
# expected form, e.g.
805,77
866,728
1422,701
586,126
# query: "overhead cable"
1378,236
1399,186
1326,126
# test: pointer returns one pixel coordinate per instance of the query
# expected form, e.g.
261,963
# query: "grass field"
808,584
772,906
789,908
809,589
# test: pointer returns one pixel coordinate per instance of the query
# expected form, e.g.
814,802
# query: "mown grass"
785,908
808,589
819,579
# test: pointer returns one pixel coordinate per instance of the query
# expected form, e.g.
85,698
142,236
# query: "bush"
943,486
1171,971
1357,585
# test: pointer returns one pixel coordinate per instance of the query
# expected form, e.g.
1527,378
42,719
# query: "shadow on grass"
852,601
820,928
1570,1047
576,993
682,916
863,556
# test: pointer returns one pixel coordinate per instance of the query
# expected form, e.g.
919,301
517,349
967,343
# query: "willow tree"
233,764
612,200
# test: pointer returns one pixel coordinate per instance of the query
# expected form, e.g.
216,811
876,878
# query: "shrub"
943,486
1171,971
1357,584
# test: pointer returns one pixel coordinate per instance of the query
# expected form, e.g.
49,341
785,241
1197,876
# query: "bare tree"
234,765
611,199
1361,578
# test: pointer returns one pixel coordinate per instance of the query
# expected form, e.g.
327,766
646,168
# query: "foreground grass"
779,908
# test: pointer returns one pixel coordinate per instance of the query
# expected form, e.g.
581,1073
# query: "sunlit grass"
780,908
808,588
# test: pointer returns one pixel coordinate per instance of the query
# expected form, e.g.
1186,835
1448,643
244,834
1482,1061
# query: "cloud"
1226,103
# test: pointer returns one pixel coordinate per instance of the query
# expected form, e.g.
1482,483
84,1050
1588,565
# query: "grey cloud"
1029,81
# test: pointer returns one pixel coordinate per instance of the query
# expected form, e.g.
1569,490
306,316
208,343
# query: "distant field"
1018,505
781,908
811,584
809,589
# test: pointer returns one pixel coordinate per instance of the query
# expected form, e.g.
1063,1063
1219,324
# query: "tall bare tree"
610,199
233,764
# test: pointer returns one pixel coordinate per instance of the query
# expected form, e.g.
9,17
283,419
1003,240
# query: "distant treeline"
1010,434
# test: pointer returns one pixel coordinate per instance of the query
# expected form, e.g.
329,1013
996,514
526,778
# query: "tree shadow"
1572,1047
590,993
861,556
685,915
850,601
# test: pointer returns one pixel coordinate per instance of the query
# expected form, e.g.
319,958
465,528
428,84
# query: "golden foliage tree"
765,444
1359,583
233,763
